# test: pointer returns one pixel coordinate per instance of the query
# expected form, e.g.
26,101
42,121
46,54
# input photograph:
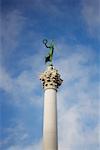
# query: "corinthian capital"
51,78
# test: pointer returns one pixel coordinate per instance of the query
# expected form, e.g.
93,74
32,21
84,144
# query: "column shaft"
51,81
50,138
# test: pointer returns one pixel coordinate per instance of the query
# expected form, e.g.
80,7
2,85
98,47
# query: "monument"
51,81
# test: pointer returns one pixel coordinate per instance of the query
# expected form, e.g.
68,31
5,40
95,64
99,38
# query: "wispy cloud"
78,110
16,133
36,146
17,137
73,135
21,88
12,24
91,14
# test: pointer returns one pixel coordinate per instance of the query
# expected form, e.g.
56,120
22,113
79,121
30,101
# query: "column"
51,81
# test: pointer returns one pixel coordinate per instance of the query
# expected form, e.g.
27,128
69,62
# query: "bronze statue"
49,57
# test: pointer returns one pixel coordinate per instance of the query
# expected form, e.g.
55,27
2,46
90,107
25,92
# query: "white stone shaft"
51,81
50,137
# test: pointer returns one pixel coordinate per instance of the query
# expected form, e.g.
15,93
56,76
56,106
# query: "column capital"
51,78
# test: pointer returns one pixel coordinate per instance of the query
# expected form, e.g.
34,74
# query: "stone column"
51,81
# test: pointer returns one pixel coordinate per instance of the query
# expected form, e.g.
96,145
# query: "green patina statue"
49,57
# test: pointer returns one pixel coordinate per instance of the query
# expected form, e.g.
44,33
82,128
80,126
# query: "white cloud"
55,7
22,88
11,24
16,133
78,101
69,125
72,135
6,82
36,146
91,14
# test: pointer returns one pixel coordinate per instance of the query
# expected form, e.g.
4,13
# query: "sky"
74,25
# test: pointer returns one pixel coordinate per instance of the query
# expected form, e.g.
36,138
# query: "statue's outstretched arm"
45,42
47,46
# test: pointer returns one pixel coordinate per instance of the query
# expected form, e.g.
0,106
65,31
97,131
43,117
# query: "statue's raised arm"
49,57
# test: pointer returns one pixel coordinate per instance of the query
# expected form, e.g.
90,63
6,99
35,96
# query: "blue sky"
74,25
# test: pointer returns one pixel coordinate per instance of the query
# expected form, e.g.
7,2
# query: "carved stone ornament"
51,78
